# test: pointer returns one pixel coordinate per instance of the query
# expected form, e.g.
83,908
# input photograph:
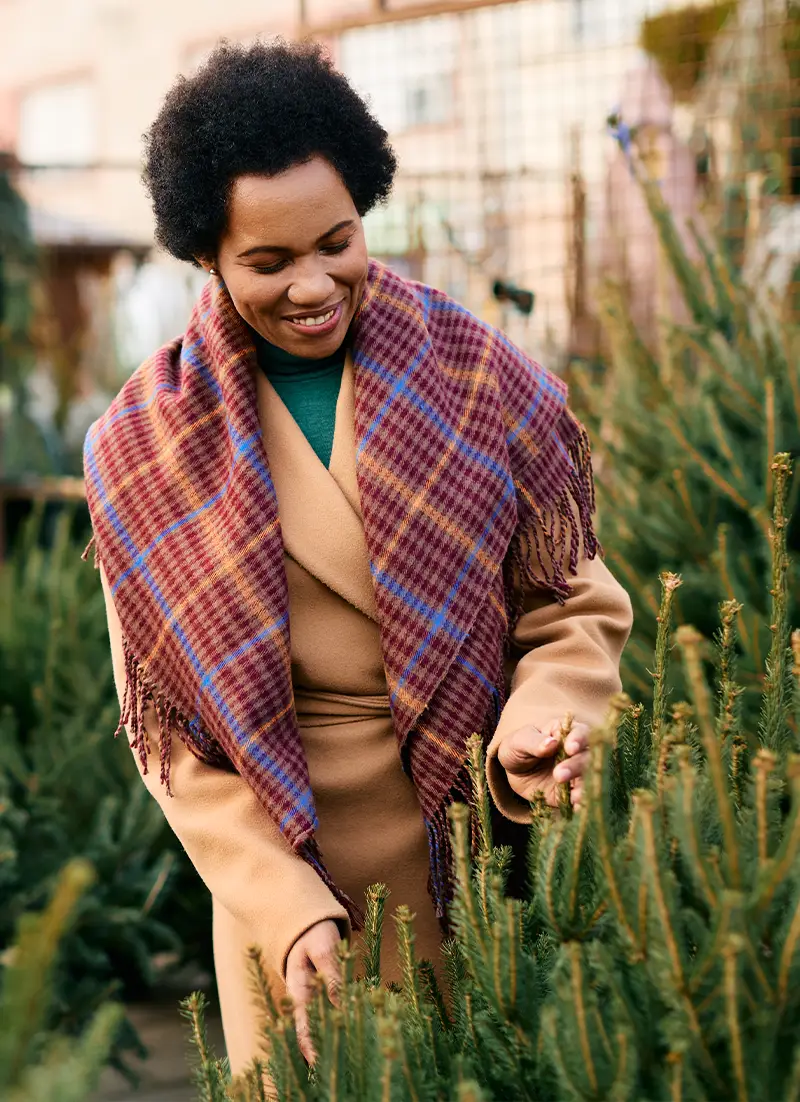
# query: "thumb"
526,749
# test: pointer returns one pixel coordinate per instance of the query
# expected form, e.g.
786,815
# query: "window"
58,124
406,70
429,100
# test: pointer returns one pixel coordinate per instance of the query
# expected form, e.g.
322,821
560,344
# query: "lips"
316,325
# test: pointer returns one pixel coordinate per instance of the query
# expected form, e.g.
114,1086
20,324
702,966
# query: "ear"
207,265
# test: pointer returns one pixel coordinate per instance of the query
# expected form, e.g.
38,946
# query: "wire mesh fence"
514,198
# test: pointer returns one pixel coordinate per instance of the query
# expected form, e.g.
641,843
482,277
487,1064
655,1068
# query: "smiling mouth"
314,321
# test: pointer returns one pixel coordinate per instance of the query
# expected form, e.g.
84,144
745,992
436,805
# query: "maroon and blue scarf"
472,472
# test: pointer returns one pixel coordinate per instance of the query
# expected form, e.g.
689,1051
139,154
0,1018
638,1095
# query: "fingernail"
549,743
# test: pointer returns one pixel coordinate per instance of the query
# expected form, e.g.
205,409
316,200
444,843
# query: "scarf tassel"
91,546
547,543
139,696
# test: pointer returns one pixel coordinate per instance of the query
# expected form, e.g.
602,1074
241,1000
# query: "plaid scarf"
473,476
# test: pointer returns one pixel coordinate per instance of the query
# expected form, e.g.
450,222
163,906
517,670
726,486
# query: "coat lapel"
319,509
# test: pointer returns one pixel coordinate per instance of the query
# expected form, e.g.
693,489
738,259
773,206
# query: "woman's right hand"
315,953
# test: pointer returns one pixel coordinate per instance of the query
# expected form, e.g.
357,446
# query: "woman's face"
293,257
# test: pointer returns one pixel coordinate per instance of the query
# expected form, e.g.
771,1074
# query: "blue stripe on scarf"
447,431
97,430
398,388
204,371
438,620
477,673
240,650
418,605
543,382
241,453
305,799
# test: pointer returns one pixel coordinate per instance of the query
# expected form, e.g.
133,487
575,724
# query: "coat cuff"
319,911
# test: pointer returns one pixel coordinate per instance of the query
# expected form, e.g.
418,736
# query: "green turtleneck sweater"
308,388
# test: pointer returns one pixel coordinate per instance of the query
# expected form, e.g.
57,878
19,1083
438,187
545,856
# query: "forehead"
289,210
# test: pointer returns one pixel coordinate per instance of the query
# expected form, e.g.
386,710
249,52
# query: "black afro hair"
257,109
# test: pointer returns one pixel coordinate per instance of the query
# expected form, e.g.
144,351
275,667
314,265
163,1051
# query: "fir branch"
207,1077
554,839
480,801
787,954
793,1085
469,1091
686,500
763,765
577,984
728,691
564,795
600,751
576,865
782,863
686,826
731,954
260,983
645,808
689,641
408,960
774,729
29,972
669,584
675,1062
769,431
714,476
372,934
432,992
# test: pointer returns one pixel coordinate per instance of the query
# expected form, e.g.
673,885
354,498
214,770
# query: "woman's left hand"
528,757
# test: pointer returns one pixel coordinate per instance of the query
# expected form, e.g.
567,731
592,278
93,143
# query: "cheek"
251,292
354,269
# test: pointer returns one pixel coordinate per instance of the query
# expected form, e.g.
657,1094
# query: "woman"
336,521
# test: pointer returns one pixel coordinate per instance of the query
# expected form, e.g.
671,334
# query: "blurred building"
497,110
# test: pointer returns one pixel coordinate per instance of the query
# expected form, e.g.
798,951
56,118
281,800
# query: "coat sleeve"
568,661
231,840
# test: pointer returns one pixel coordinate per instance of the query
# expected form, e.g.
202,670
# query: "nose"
312,285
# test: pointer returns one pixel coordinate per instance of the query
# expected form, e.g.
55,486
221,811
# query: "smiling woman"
341,525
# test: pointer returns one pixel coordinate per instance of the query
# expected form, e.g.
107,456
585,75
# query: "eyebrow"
347,224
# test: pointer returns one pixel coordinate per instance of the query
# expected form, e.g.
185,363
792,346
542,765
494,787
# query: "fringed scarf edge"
138,693
546,545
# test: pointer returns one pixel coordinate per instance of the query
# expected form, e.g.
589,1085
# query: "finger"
571,768
327,964
302,1030
524,750
552,729
299,985
578,739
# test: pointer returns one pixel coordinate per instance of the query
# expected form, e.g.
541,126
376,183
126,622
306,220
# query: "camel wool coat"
566,658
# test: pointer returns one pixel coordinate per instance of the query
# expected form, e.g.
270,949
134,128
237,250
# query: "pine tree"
684,438
656,954
68,790
37,1066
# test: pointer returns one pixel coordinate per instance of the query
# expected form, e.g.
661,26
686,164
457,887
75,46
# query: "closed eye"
272,269
333,250
279,265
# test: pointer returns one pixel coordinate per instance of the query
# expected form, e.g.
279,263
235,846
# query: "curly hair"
260,110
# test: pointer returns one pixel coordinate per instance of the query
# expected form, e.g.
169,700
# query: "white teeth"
309,323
